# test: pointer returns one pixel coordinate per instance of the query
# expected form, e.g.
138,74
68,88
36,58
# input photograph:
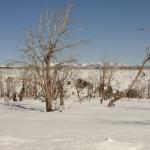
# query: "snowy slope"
121,78
86,126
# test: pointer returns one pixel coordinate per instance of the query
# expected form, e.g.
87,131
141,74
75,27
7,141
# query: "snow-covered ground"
86,126
121,78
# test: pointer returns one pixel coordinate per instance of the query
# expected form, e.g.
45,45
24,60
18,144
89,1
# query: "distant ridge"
88,66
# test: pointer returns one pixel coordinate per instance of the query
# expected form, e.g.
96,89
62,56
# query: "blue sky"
110,23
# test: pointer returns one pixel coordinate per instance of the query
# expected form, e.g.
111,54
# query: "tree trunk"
48,97
22,92
111,103
62,96
48,101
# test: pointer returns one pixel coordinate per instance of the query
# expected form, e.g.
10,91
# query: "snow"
86,126
121,78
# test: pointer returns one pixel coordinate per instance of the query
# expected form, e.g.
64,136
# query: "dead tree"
79,86
43,48
21,94
24,83
104,87
35,88
10,87
141,68
59,79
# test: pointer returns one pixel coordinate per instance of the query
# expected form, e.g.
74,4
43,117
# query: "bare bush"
104,88
81,84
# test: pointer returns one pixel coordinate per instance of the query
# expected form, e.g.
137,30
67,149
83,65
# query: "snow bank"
86,126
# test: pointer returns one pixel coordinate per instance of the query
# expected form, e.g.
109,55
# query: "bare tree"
106,73
44,49
60,78
24,83
141,68
10,87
